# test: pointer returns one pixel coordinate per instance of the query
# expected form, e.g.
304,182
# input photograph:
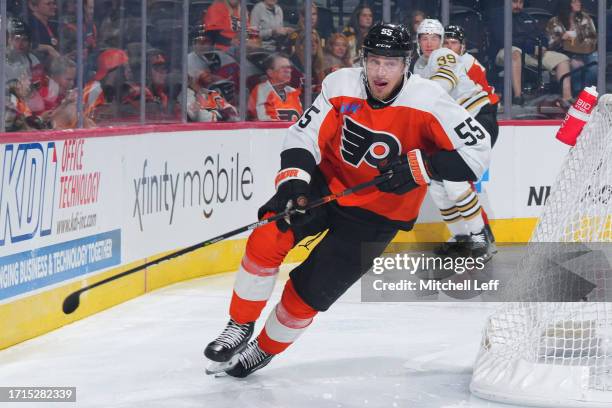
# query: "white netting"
554,352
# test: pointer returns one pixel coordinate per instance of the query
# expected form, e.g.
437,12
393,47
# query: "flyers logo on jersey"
360,144
289,115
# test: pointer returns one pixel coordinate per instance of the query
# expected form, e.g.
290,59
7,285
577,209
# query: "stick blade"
71,303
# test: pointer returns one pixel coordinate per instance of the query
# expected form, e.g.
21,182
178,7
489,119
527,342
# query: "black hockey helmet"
389,40
17,26
455,31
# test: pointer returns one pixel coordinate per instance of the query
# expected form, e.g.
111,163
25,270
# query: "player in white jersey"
457,201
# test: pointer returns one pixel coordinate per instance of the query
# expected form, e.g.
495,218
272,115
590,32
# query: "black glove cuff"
300,158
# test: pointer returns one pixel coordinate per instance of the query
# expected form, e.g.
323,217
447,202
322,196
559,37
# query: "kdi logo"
27,190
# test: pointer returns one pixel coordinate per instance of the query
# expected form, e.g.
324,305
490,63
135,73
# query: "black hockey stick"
72,301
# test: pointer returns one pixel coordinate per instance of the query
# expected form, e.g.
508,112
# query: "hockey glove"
292,188
410,171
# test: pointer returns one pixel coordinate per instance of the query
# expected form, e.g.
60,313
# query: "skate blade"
218,369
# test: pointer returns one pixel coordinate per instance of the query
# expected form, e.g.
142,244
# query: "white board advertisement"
73,207
183,188
58,212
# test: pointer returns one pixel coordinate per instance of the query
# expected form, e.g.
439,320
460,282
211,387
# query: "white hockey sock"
457,228
470,209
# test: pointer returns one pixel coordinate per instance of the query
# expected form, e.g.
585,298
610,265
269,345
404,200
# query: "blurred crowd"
554,52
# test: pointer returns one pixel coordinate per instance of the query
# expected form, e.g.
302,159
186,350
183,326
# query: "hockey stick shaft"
71,303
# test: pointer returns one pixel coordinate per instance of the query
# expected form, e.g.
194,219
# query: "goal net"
551,345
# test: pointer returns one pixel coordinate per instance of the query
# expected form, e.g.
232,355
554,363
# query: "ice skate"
230,342
480,246
457,246
250,360
491,238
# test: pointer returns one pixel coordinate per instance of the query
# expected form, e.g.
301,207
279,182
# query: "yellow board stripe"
38,314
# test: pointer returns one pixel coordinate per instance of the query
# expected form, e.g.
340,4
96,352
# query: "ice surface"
148,353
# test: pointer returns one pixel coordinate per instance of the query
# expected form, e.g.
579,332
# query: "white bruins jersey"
449,71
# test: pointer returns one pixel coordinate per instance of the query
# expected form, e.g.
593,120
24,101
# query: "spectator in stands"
19,56
196,59
59,83
267,16
44,31
16,109
21,63
293,37
200,41
203,104
416,18
109,33
359,24
314,17
405,9
90,31
110,84
526,37
222,22
157,78
572,32
336,54
274,99
18,115
60,96
298,58
65,115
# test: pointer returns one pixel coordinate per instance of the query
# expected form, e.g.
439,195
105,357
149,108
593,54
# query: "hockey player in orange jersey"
274,99
366,121
458,203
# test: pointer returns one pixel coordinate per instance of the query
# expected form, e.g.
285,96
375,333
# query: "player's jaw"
384,75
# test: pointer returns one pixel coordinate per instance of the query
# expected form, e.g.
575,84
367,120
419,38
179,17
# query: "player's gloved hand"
410,171
292,189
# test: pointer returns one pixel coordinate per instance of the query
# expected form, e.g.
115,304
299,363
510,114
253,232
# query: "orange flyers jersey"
220,17
204,106
266,104
446,68
93,96
347,137
478,74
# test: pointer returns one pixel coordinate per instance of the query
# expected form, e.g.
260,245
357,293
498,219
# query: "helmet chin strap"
367,84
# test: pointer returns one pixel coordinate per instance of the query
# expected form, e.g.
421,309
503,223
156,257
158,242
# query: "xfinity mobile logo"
217,180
